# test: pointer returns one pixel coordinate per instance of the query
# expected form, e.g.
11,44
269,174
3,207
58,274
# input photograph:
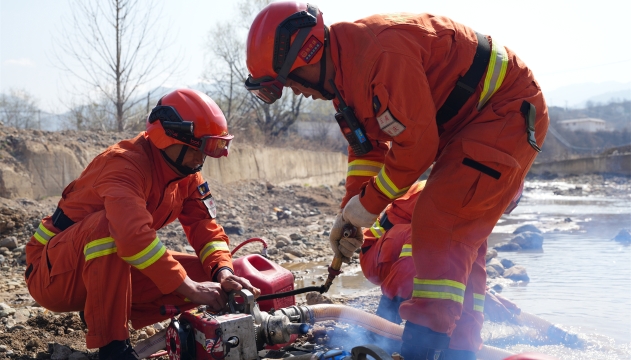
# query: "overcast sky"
563,42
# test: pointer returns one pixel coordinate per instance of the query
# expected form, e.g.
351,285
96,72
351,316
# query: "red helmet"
189,117
284,36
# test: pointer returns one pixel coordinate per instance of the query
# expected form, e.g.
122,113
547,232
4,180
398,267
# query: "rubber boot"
451,354
118,350
422,343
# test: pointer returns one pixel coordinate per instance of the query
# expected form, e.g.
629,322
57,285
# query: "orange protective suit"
386,260
396,71
110,263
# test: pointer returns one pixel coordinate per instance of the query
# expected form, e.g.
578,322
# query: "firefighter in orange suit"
386,260
99,252
412,90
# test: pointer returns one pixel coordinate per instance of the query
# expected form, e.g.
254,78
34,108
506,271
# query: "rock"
150,331
567,220
623,236
234,229
491,273
490,254
284,238
61,352
10,242
272,251
280,243
6,310
314,298
2,259
158,326
77,356
528,240
498,287
507,246
3,348
507,263
497,265
295,236
189,249
517,273
142,335
290,257
525,228
295,251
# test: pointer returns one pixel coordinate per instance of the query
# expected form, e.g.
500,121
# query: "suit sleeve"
204,234
408,115
121,187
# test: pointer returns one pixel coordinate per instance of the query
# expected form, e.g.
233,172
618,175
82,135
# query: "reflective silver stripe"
43,235
211,247
148,256
439,289
478,302
100,247
363,168
376,230
387,187
406,250
495,73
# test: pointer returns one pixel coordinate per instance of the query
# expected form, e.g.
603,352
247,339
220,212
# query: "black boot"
422,343
451,354
118,350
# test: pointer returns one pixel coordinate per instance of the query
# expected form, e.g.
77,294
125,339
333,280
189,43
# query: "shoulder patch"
389,124
203,189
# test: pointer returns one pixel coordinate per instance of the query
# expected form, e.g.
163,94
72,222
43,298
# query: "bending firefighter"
99,252
386,260
412,90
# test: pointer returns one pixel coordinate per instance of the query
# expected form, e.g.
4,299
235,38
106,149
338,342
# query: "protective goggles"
267,89
216,146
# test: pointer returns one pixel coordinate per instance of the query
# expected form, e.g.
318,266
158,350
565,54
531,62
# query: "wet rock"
497,265
528,227
10,242
507,263
623,236
517,273
60,352
491,273
528,240
314,298
490,254
507,246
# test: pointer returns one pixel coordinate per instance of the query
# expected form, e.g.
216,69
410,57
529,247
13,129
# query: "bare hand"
204,293
230,282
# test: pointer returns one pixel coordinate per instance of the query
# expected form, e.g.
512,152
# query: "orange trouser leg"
147,298
100,285
466,335
460,205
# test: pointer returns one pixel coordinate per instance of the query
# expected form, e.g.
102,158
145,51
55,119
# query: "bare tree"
117,49
19,109
226,73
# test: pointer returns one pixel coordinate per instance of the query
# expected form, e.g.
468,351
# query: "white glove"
344,247
355,213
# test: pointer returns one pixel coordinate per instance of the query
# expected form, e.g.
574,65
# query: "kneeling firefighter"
99,252
386,260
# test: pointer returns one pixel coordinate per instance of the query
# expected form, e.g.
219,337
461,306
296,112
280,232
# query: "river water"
581,280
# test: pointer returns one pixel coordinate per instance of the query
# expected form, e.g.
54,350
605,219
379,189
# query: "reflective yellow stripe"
406,250
148,256
387,187
494,74
100,247
211,247
439,289
363,168
376,230
478,302
43,235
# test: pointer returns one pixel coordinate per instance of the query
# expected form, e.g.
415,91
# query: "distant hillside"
578,95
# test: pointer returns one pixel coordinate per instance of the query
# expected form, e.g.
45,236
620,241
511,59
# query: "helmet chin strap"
319,87
177,164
